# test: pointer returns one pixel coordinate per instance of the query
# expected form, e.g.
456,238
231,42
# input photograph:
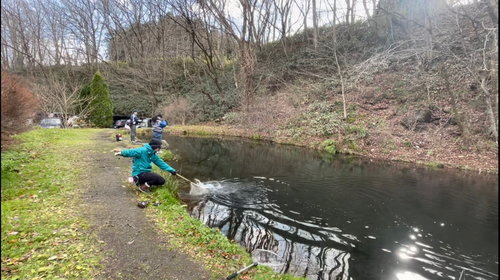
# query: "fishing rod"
187,179
240,271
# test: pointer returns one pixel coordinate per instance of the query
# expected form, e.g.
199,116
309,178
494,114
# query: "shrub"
101,105
178,111
329,146
18,105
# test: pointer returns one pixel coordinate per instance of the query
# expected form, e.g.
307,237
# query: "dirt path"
137,250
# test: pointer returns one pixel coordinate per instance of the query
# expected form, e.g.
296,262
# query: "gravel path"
135,247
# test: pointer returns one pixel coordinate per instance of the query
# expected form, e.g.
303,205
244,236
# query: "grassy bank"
45,234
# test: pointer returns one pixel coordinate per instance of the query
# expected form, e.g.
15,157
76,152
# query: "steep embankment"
434,147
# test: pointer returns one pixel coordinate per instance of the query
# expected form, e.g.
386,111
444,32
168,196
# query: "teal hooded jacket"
144,157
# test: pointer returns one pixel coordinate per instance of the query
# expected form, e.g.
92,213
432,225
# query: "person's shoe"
144,188
134,181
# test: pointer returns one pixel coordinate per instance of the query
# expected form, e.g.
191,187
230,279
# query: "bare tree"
315,24
283,12
206,42
56,96
85,25
481,61
247,32
13,22
335,50
348,11
304,8
56,30
367,12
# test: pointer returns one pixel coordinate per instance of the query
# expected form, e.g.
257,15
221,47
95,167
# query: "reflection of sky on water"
308,246
442,261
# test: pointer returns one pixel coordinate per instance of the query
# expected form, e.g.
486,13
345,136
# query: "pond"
338,217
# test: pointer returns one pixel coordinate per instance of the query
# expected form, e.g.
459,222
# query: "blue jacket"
158,126
143,159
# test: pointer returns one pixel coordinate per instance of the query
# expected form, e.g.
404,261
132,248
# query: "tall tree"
85,25
246,28
101,105
315,24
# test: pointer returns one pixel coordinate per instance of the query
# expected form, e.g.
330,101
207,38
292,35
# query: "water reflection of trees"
300,249
390,198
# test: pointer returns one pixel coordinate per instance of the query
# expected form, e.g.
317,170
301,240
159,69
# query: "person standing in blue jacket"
144,157
158,125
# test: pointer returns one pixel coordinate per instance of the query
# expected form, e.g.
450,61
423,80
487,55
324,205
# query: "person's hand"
174,173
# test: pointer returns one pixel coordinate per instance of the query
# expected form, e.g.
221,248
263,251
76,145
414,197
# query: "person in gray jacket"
158,124
134,121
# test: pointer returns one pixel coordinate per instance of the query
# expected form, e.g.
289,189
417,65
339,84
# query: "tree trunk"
454,110
315,25
353,19
341,83
305,24
347,13
489,108
367,13
247,66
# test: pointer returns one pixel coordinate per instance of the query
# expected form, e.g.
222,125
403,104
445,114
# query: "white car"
51,123
145,123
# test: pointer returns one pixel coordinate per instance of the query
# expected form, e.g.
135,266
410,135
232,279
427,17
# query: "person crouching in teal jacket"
143,159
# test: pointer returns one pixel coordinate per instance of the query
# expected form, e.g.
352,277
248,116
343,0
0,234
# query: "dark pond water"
343,218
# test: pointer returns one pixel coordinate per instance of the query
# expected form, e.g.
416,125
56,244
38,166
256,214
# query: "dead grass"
438,144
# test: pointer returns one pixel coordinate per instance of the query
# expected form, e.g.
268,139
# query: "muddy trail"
134,247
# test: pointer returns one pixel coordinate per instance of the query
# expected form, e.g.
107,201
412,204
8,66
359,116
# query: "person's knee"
161,181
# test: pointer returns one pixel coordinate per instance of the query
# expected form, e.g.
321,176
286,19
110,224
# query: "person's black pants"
153,179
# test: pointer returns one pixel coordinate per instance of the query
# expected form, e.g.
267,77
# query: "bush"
178,111
101,106
18,105
329,146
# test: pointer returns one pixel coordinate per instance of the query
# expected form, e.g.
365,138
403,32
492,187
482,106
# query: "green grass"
434,164
43,235
198,133
257,137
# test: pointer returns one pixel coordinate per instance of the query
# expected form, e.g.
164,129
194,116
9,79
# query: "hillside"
405,101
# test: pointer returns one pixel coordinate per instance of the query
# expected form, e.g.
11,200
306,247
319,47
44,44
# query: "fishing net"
268,258
197,187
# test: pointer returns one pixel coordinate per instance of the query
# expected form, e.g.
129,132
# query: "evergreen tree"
101,105
84,96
